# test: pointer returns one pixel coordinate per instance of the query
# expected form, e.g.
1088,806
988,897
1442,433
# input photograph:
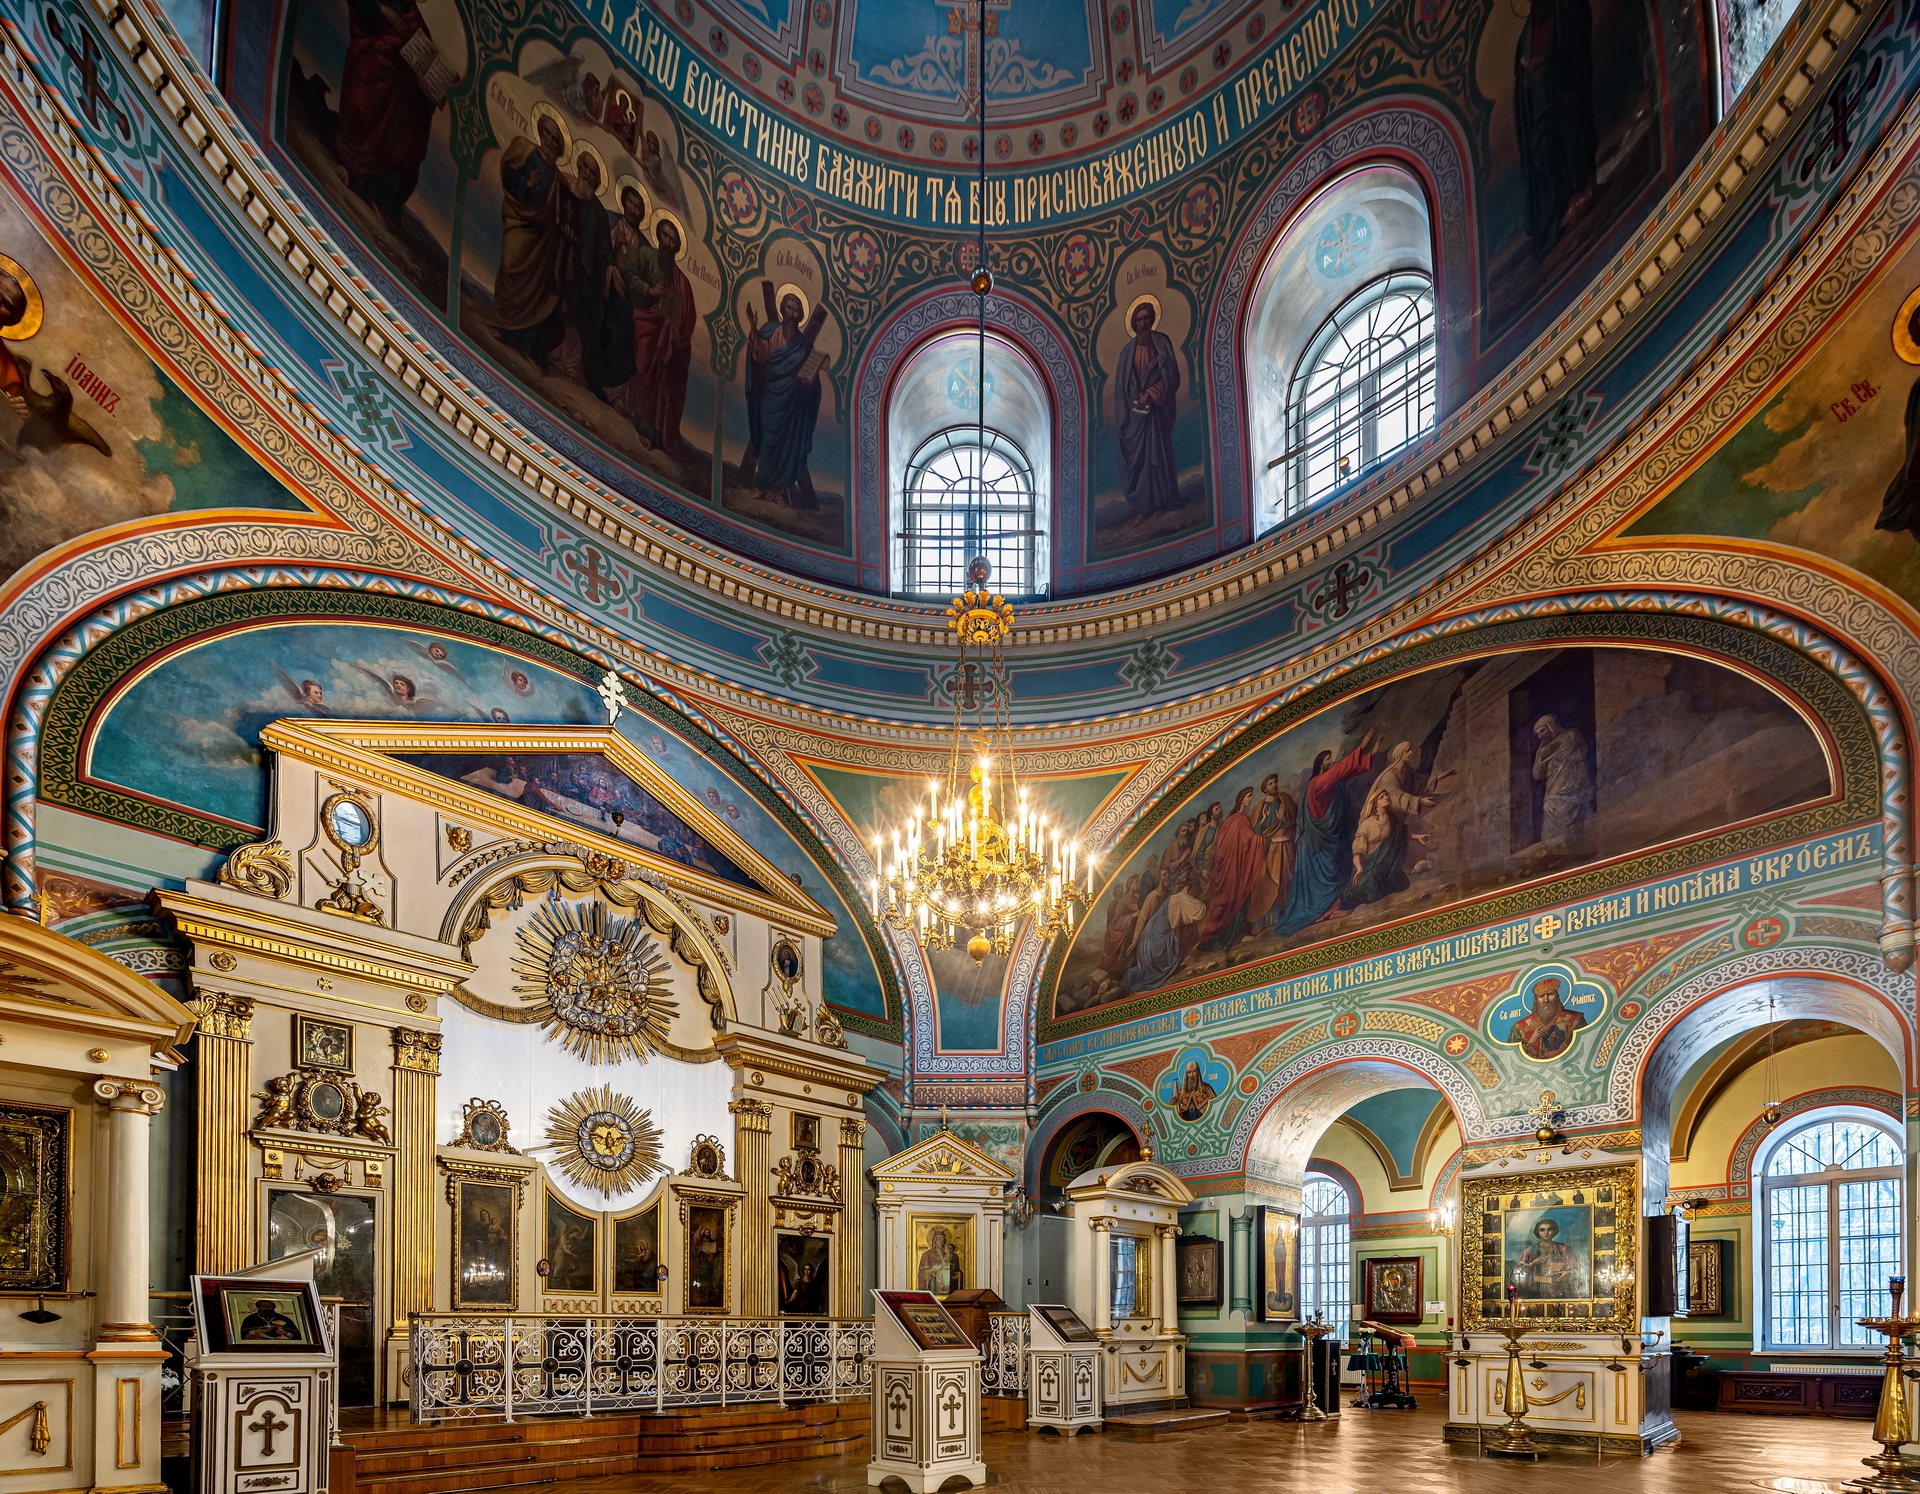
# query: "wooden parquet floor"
1380,1453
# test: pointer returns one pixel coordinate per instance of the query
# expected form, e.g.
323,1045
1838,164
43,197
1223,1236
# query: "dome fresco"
541,340
605,219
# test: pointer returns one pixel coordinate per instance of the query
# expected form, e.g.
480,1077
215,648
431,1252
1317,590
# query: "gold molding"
1481,1196
416,1051
223,1015
121,1421
368,751
738,1056
209,922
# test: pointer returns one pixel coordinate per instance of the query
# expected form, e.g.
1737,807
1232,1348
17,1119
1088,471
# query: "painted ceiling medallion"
603,978
604,1141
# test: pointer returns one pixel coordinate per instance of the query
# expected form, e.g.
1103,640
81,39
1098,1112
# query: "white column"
127,1353
131,1106
1102,1234
1167,1307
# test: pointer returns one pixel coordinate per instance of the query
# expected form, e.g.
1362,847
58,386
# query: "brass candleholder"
1893,1426
1514,1402
1312,1329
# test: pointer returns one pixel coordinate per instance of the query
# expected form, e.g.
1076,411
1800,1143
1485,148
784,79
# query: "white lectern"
262,1371
1063,1371
926,1395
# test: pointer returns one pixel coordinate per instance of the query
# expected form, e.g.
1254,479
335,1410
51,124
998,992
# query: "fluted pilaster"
223,1063
752,1140
849,1300
416,1073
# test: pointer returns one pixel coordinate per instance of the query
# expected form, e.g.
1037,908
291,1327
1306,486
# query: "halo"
1136,303
806,303
661,215
583,148
620,191
36,311
543,110
1904,341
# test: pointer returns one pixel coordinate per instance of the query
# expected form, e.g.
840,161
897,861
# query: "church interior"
816,744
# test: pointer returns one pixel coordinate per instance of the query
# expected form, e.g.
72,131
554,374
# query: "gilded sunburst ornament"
604,979
604,1141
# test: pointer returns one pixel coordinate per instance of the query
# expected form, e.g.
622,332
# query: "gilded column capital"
225,1016
417,1052
751,1114
135,1096
852,1132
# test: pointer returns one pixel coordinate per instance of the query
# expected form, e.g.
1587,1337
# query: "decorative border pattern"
1865,972
1740,1159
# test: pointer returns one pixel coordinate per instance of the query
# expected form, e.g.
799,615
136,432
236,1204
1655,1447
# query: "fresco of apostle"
1144,386
783,400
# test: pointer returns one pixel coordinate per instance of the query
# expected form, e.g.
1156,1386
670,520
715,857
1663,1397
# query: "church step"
1159,1423
492,1454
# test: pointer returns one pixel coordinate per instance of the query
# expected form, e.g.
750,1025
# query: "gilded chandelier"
978,860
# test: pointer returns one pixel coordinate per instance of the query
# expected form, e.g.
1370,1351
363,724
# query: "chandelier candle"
983,860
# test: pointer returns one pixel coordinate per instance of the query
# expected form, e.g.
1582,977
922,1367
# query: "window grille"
1365,387
1326,1250
965,498
1832,1201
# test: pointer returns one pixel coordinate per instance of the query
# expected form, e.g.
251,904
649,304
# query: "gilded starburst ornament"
604,1141
602,977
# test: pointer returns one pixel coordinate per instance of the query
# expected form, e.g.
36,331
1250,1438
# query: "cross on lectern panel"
267,1425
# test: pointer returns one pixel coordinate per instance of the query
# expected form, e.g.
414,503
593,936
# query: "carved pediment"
944,1155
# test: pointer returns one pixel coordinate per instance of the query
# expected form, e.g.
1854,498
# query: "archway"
1736,1077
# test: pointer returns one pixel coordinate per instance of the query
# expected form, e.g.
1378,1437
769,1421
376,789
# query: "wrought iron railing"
1003,1358
485,1365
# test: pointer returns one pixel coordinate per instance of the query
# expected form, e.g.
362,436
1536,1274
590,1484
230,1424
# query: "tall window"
1326,1250
965,498
1831,1197
1364,388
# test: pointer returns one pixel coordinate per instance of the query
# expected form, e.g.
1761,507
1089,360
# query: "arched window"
1363,389
1319,387
1326,1249
965,498
1831,1196
962,486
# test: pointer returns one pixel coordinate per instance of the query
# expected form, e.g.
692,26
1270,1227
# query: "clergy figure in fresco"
783,399
536,234
662,301
1553,115
385,115
1144,386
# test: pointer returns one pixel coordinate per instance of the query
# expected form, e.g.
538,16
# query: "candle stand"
1312,1330
1894,1472
1518,1444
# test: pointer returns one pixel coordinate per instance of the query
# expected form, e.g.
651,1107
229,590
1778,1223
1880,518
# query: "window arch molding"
1432,156
895,341
933,419
1830,1190
1367,229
